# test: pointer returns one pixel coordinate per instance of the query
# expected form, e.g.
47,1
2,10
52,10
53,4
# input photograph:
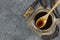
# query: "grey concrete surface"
12,24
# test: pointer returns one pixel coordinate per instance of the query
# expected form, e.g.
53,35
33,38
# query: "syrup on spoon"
42,20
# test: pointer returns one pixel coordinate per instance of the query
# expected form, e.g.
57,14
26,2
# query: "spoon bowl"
42,21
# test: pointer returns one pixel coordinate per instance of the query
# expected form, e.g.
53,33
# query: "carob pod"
43,3
52,2
52,36
30,9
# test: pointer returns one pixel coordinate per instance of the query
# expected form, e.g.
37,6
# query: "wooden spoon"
42,20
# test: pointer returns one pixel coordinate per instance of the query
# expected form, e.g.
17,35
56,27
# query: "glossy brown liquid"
41,22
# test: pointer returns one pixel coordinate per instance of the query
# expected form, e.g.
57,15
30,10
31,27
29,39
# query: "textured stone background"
12,24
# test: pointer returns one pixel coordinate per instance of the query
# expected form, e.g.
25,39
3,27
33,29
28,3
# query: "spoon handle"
57,3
